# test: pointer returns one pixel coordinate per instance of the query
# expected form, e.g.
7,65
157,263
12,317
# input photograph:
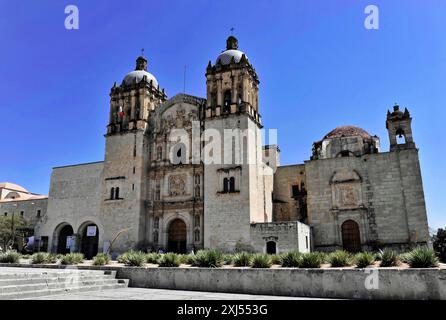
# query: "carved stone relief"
177,185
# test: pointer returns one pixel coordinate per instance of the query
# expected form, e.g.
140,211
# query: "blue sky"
318,66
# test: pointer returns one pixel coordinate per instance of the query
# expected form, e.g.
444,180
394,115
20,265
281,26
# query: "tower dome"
138,74
231,52
347,131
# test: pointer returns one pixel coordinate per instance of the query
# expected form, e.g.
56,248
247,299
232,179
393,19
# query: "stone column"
219,92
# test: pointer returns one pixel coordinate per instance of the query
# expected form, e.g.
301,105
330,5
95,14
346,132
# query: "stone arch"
345,153
88,242
177,236
345,175
351,236
62,238
168,219
400,136
227,97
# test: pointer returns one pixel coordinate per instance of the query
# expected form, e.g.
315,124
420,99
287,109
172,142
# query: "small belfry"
232,84
132,102
399,126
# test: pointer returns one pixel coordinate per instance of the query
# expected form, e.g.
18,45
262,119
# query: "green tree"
440,244
8,229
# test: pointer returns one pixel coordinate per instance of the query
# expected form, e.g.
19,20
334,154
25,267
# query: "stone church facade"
156,188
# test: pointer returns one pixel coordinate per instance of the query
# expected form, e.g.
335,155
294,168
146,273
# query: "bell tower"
399,126
232,84
125,173
133,100
234,185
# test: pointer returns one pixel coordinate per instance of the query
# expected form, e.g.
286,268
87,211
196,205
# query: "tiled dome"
347,131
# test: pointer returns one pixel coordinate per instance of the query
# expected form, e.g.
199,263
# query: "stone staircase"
27,283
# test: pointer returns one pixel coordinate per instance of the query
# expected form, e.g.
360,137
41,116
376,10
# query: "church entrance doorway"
271,247
89,240
351,239
64,239
177,236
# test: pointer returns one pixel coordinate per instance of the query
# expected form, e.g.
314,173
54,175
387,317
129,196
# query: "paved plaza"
160,294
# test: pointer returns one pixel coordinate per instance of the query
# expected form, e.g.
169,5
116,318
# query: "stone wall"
336,283
381,192
32,210
285,207
74,199
288,236
392,283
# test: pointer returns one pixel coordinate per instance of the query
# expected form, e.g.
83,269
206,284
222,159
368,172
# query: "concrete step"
51,279
56,285
29,283
49,292
64,272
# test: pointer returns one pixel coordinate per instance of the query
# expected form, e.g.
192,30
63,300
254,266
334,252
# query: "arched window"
117,193
197,235
197,191
159,153
231,184
112,193
156,222
227,101
225,185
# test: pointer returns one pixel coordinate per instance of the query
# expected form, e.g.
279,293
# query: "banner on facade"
91,231
69,241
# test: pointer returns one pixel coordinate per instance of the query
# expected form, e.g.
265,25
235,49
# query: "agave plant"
51,258
243,259
422,258
364,259
388,258
135,258
261,260
38,258
169,260
276,258
291,259
228,259
152,257
123,258
72,258
311,260
340,258
9,257
101,259
209,259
